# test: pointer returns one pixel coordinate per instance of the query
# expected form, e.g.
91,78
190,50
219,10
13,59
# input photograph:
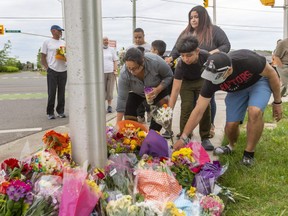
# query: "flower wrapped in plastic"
183,166
155,145
61,143
205,180
163,115
61,53
172,210
47,191
119,172
124,206
127,137
47,162
12,168
211,205
156,182
79,195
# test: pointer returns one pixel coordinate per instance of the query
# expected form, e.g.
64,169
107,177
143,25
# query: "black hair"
135,55
160,46
142,49
187,44
139,30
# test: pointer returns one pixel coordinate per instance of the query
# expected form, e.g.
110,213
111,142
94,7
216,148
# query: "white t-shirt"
109,56
49,48
146,46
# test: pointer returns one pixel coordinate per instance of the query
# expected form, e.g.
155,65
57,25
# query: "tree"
4,53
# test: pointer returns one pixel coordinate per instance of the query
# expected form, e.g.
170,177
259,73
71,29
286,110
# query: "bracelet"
277,102
185,140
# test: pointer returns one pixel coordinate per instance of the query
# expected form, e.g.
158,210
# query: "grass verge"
266,183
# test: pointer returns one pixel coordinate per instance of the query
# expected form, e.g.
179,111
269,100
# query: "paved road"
23,98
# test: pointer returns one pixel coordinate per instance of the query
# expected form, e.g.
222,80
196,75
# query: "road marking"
24,96
20,130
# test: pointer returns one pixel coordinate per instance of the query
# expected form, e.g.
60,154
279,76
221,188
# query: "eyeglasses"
134,68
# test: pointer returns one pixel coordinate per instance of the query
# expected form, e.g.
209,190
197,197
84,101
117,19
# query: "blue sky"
247,23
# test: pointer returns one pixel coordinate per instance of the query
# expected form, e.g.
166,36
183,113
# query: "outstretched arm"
193,121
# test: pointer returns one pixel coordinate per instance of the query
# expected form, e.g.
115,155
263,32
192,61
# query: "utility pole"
214,12
285,21
83,26
134,18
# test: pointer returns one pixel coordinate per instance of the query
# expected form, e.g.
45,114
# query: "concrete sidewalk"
27,145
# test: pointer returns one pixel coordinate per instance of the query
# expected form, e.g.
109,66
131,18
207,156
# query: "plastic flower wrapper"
61,143
183,166
155,145
172,210
211,205
119,172
127,137
156,183
73,180
17,199
12,168
229,193
47,162
163,115
190,205
199,154
47,191
205,180
61,53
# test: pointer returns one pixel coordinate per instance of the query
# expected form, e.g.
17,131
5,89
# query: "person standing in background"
110,71
211,38
139,41
56,71
281,61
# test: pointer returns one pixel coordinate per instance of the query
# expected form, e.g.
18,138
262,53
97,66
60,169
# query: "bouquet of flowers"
163,116
16,198
183,166
127,138
119,173
12,168
61,143
211,205
47,162
46,196
61,53
156,182
205,180
79,195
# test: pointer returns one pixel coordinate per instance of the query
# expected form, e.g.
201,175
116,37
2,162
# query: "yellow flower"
184,152
133,142
191,192
141,134
132,147
126,141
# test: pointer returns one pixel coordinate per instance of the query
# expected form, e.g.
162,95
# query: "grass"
266,183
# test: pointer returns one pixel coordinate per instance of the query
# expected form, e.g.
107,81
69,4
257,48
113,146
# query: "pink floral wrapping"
158,186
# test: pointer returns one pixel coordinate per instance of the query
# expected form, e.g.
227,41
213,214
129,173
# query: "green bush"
9,69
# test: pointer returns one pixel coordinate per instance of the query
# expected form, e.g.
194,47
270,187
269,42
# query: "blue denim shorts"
257,95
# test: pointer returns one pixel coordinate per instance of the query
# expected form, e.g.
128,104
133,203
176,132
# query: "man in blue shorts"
249,81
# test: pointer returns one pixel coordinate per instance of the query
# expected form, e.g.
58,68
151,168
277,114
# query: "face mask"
105,47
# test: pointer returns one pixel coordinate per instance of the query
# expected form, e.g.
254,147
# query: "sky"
247,23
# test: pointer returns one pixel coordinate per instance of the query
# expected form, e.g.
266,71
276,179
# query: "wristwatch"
185,139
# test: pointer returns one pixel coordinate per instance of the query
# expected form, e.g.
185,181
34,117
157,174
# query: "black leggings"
134,101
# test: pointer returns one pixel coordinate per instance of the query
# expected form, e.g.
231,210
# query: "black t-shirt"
191,72
247,65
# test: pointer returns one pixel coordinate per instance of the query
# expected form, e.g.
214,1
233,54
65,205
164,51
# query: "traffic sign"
12,31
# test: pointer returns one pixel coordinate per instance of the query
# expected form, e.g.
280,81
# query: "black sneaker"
51,116
223,150
109,109
167,135
247,161
207,145
62,115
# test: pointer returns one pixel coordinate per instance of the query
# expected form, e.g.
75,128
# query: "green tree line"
8,64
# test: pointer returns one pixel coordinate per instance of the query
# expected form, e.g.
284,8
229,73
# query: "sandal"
223,150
